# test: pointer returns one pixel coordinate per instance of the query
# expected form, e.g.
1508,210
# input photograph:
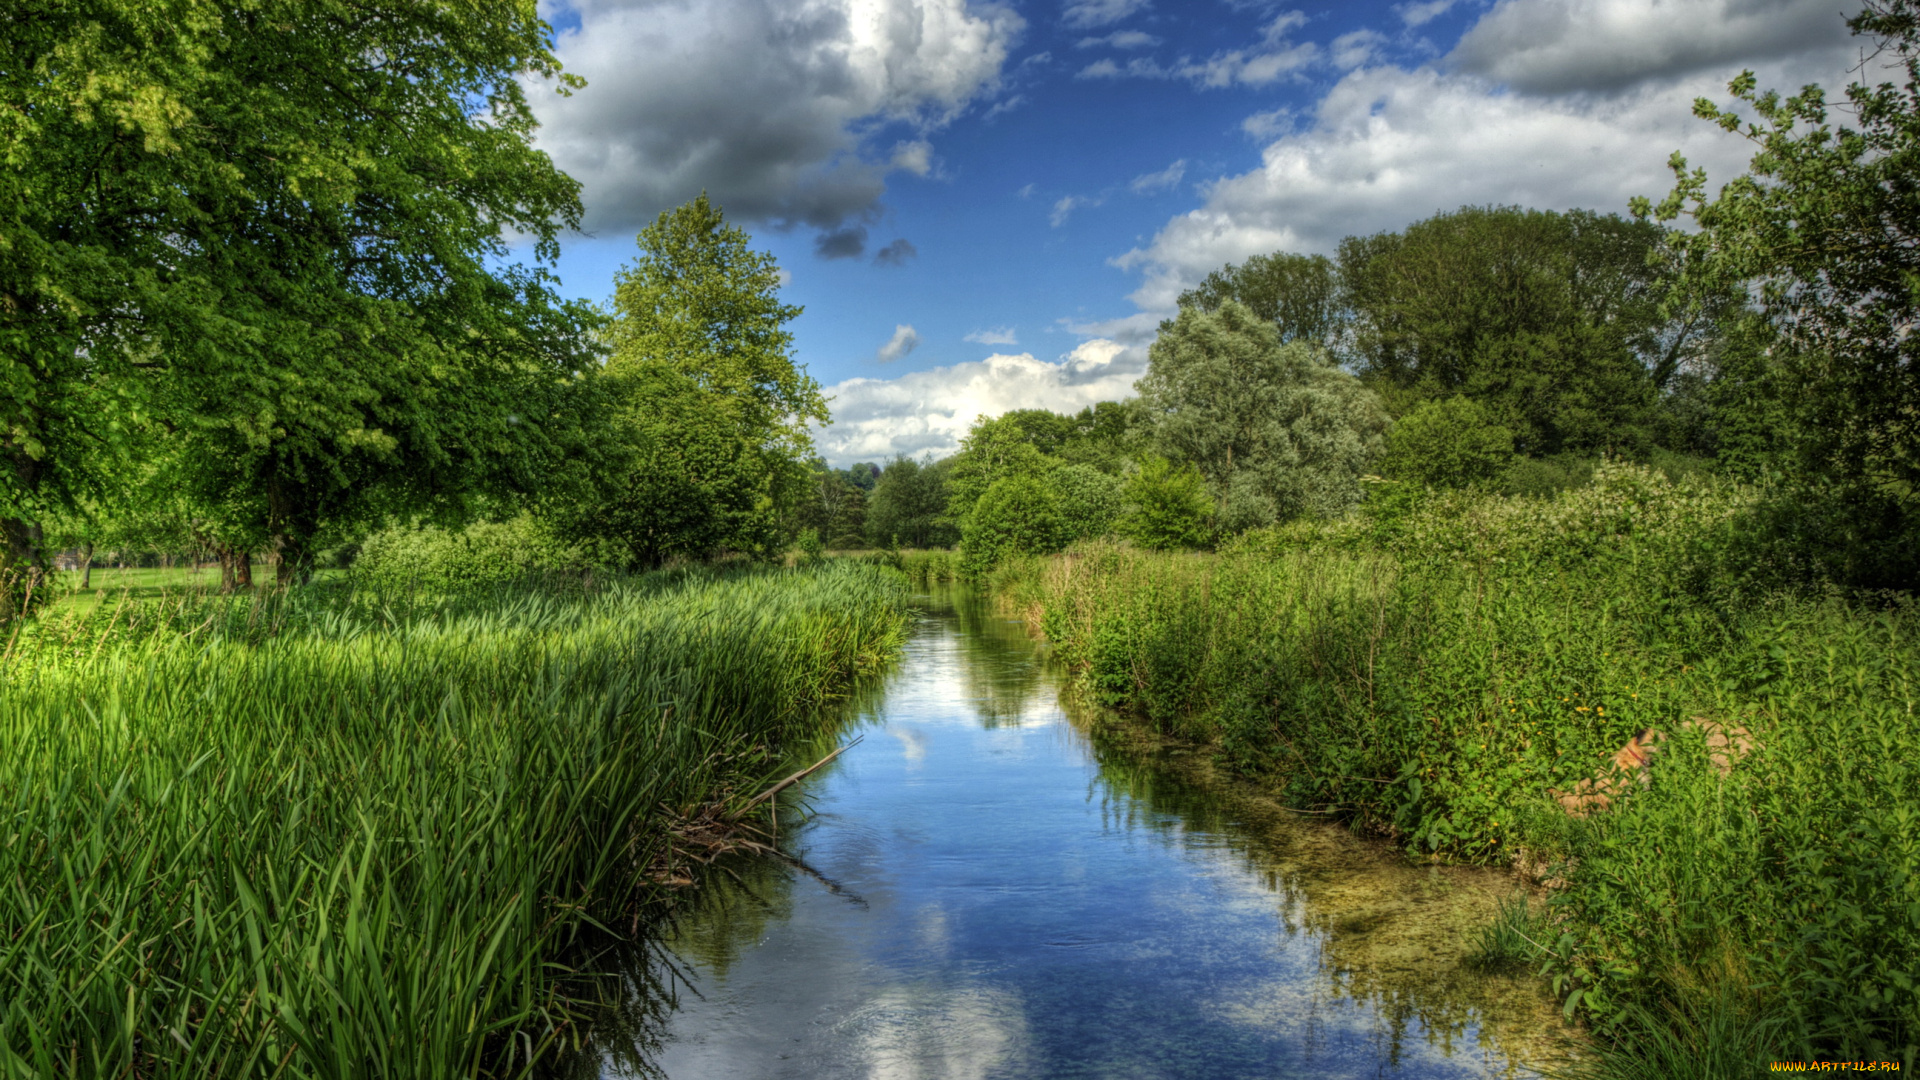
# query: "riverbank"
1000,882
1435,678
335,833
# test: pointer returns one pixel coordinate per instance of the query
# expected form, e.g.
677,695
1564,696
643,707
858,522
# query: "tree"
1018,515
1298,294
1277,429
909,505
1090,500
1553,321
1825,227
711,406
277,230
1448,443
1167,506
993,450
679,482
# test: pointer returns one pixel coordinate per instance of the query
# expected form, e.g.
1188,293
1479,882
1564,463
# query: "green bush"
1090,500
1167,506
1018,515
1448,443
483,555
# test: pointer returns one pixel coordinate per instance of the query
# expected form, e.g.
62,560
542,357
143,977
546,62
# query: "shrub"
1090,500
1018,515
1448,443
483,555
1167,506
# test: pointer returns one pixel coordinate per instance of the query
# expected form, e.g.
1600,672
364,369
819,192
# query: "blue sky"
990,206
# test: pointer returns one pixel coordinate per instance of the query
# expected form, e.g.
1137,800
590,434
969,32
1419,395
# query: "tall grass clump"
325,835
1436,669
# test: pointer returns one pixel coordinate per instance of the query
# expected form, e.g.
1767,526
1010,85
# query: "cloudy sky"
987,206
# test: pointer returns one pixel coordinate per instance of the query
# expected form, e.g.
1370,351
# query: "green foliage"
1090,500
909,505
1275,427
1299,294
1166,506
1552,321
1435,681
707,449
680,479
834,505
1448,443
1823,227
994,450
357,837
435,561
1519,936
1540,477
1018,515
207,232
812,548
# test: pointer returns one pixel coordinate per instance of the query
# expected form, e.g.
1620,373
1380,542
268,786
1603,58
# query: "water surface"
1006,890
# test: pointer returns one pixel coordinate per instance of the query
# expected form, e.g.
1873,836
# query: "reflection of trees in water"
1389,935
1003,674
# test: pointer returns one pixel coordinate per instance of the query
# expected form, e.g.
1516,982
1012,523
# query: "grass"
323,834
1431,673
152,582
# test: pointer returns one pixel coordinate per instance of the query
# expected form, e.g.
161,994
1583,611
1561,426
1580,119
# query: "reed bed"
340,836
1437,677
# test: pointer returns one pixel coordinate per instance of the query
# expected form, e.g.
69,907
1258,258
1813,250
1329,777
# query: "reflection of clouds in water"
930,930
912,743
927,1032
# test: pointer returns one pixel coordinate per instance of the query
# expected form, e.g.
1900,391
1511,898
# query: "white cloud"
1081,14
1067,205
1553,46
1274,58
766,105
905,339
1166,178
930,411
1388,146
1351,50
999,335
915,157
1119,39
1418,15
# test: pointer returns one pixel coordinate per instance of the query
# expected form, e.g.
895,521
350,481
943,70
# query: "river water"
1000,888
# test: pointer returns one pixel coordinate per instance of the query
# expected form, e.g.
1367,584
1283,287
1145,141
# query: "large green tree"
278,230
1299,294
909,505
1277,430
1825,227
712,412
1553,321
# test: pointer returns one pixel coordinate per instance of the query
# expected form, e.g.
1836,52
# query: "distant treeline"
1494,348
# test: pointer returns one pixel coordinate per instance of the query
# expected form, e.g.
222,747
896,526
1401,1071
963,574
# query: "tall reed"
1435,677
333,838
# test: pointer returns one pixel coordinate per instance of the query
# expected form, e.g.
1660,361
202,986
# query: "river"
1001,888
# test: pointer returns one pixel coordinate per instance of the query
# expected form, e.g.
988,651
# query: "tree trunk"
243,569
225,555
292,562
23,569
86,568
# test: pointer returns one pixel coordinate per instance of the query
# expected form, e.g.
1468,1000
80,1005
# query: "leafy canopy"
1275,428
